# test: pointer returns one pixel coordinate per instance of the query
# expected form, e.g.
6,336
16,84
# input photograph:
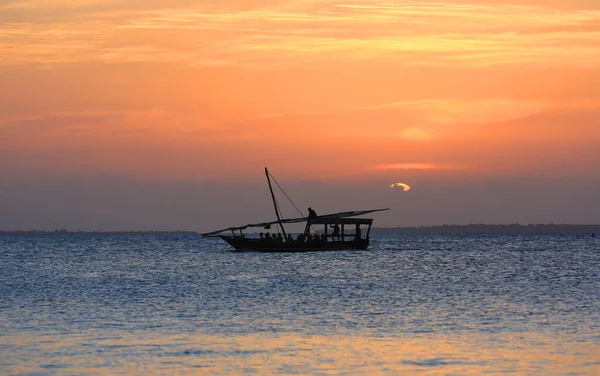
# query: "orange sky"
196,91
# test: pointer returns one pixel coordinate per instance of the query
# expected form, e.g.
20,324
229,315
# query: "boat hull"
258,245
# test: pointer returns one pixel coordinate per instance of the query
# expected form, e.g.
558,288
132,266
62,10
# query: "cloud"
266,33
414,166
414,121
416,134
82,131
455,110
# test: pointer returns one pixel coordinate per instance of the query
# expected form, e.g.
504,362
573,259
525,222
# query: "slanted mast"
275,204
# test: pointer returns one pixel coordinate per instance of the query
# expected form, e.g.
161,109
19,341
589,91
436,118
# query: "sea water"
412,304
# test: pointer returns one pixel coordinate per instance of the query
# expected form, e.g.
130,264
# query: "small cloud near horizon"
416,166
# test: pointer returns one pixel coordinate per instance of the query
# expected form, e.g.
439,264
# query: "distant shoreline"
494,229
68,232
441,229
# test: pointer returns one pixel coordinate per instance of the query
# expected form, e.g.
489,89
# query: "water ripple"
455,304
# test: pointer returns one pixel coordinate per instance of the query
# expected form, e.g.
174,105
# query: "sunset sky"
135,114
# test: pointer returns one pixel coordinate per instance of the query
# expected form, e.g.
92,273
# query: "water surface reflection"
426,304
148,353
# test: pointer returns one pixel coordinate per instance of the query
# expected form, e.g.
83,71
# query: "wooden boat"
330,232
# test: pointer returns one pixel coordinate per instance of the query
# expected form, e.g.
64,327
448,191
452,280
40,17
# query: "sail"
346,214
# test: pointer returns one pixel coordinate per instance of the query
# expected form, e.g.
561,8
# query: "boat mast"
275,204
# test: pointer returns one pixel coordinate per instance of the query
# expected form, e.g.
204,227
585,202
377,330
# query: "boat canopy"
327,218
341,221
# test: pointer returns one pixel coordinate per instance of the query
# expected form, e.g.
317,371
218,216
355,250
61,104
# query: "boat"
329,232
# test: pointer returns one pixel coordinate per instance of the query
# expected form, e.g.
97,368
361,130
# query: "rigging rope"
289,199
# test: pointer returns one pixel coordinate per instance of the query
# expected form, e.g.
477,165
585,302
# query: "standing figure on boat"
336,232
311,213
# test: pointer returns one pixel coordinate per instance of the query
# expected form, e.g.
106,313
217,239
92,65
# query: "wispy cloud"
422,33
455,110
414,121
415,166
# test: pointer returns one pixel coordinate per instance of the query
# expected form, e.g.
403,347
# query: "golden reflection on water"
198,354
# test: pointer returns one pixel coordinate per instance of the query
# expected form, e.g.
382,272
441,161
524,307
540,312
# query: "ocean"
412,304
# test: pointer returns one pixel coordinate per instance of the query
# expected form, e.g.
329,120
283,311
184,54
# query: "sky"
154,115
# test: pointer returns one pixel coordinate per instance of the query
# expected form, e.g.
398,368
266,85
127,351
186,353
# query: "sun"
405,187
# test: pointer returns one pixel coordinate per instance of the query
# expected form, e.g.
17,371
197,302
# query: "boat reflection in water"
338,231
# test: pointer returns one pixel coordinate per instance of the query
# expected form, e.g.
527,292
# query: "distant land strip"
494,229
68,232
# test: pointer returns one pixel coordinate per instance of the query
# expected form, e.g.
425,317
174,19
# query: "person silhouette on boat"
300,239
358,234
336,232
311,213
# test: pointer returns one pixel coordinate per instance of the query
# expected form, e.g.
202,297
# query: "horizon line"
385,228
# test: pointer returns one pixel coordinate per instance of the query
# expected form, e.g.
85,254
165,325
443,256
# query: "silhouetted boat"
340,231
